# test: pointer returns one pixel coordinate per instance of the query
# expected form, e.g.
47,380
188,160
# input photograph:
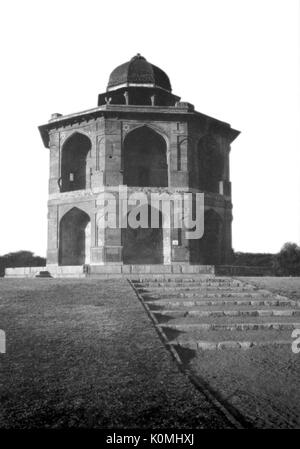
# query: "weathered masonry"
140,135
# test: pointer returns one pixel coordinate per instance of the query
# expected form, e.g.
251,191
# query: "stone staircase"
212,313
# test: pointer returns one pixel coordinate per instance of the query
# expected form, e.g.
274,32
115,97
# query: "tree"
287,261
20,259
253,259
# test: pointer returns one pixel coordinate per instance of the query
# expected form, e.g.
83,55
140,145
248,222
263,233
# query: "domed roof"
138,71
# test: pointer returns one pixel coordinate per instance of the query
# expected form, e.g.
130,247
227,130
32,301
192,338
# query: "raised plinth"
157,270
23,272
112,270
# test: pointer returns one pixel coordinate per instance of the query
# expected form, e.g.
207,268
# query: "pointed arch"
73,162
145,158
152,127
74,237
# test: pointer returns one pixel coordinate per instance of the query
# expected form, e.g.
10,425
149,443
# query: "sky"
235,60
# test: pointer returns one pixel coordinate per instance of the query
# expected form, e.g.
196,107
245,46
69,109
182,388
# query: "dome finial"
137,56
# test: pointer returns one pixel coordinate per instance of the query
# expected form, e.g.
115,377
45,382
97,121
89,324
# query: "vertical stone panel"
54,163
113,144
52,246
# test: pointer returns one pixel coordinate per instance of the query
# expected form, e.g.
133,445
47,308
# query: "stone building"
140,135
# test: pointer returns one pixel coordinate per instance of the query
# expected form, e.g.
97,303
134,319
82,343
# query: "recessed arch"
73,162
144,245
74,237
210,164
145,158
152,127
210,245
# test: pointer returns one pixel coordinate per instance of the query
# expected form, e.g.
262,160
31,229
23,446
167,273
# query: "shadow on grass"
154,307
171,334
162,318
185,354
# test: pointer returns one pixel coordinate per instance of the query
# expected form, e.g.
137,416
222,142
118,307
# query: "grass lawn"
287,286
262,383
83,353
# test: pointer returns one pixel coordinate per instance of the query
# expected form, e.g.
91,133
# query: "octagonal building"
141,136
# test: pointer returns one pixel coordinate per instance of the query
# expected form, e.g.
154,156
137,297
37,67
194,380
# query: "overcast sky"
236,60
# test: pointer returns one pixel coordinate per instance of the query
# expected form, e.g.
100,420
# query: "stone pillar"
54,173
97,241
113,246
88,244
225,184
99,163
108,246
178,160
227,237
173,160
126,95
180,246
91,159
167,246
53,236
113,150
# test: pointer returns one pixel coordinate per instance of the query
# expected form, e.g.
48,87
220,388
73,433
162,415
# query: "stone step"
200,289
220,314
205,345
185,278
193,286
185,327
224,303
267,312
222,319
211,295
167,278
192,282
232,334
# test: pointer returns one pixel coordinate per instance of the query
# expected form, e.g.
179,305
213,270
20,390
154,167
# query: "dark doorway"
73,162
143,245
210,165
145,159
74,238
210,245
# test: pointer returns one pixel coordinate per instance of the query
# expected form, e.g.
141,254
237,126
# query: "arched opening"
210,245
74,238
73,162
145,159
210,165
143,245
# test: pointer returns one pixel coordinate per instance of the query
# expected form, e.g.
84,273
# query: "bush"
20,259
287,261
253,259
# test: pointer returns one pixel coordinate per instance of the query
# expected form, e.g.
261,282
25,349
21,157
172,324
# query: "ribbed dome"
138,71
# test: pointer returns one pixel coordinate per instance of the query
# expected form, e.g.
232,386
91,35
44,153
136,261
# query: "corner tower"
140,135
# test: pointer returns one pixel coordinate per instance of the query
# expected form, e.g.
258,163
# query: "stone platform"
111,270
